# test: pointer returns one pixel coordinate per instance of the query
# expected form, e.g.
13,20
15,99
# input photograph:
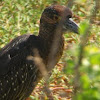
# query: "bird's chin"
64,29
67,31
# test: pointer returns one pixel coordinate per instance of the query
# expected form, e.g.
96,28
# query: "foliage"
19,17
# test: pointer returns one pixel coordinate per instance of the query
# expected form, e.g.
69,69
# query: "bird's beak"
70,25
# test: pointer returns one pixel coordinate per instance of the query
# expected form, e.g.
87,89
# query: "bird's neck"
47,31
51,41
49,34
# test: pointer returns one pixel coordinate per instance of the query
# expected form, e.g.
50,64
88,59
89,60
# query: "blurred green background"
19,17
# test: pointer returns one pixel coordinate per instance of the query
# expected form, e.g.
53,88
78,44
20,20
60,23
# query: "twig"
83,42
42,68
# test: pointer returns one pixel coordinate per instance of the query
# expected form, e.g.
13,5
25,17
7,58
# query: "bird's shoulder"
17,45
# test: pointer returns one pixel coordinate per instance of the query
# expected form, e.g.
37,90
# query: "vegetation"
77,75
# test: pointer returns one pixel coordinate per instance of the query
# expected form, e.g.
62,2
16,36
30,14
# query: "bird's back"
16,72
11,50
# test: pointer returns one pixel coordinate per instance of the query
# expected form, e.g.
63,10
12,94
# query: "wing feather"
11,50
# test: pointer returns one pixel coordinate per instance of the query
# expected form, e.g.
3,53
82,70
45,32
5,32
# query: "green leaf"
69,68
95,58
83,27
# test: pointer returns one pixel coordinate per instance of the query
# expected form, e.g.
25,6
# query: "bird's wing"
11,50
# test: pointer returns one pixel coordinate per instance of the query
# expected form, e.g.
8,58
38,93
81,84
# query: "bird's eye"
55,17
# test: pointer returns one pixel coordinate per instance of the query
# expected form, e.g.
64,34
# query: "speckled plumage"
18,75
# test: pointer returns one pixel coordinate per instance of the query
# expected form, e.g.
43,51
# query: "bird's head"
53,15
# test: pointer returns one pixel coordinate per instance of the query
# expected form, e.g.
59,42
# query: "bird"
19,75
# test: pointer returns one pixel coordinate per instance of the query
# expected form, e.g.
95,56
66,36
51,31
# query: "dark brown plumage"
18,75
